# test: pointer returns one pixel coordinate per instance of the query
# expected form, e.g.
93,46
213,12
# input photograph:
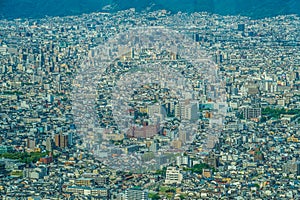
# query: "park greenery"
153,196
161,171
198,168
275,113
24,157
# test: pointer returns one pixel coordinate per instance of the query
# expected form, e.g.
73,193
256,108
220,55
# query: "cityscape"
150,105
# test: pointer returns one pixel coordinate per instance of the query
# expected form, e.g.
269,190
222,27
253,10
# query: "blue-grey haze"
252,8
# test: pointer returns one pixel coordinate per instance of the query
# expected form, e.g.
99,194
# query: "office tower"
187,110
61,140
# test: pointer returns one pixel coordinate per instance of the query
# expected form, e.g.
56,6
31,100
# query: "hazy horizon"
10,9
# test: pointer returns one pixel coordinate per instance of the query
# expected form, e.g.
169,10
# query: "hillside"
251,8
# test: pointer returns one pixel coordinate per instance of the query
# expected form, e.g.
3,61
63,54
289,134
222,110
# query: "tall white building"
153,147
173,175
49,144
183,160
156,110
187,110
136,194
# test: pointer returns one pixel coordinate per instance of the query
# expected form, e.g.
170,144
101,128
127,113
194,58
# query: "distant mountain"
252,8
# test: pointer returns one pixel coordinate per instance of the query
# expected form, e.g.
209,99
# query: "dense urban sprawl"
255,156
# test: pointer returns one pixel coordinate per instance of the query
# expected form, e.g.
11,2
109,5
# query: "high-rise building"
31,143
183,160
292,167
49,144
183,136
61,140
136,194
197,37
70,138
250,113
212,160
173,175
156,109
153,147
132,53
187,110
57,140
102,180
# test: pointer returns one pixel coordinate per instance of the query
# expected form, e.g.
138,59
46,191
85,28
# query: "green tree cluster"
24,157
153,196
198,168
276,112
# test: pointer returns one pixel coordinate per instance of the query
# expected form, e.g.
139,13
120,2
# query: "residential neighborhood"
150,123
